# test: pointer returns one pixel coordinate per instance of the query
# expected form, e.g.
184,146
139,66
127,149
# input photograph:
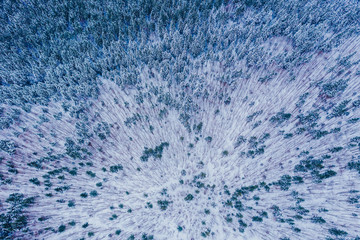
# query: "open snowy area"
180,119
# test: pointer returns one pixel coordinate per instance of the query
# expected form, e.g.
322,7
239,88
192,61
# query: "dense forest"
180,119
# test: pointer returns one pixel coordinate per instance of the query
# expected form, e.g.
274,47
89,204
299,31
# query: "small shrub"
116,168
163,204
316,219
93,193
189,197
35,181
337,232
297,179
257,219
71,204
330,90
91,174
62,228
280,117
84,195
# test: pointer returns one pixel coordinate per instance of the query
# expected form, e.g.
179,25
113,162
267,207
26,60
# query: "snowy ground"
232,176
